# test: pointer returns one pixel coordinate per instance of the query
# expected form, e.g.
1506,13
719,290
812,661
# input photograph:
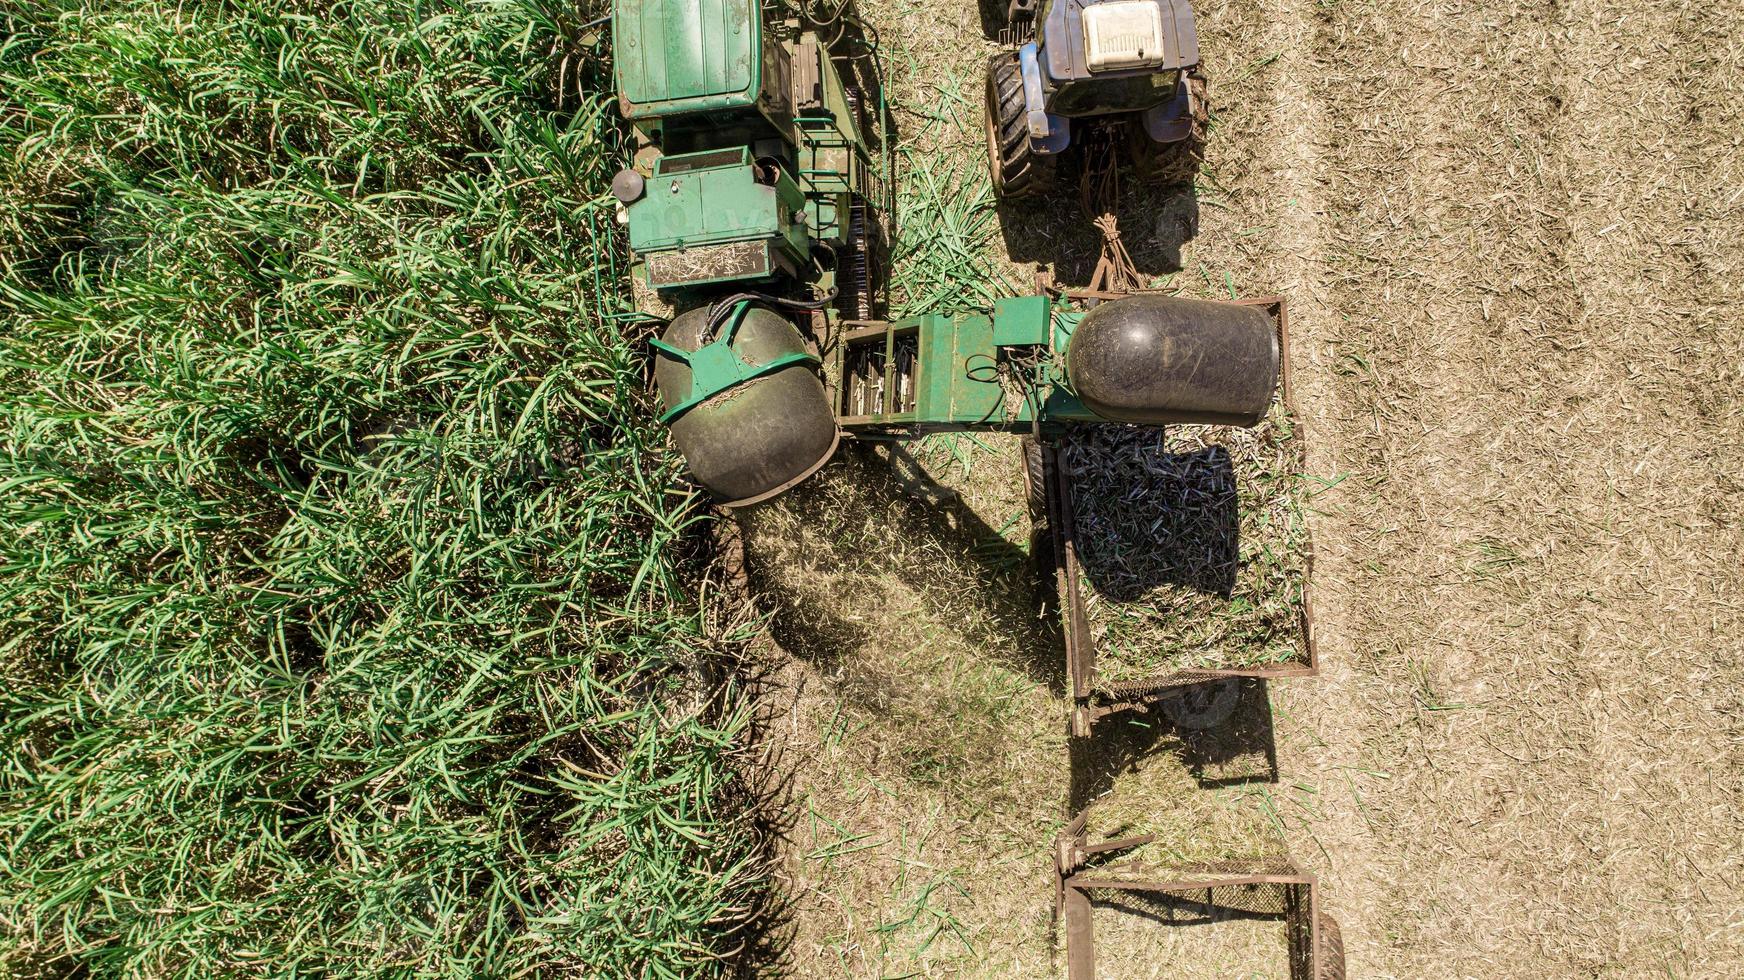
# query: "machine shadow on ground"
1054,231
993,18
766,795
1221,730
875,515
1015,606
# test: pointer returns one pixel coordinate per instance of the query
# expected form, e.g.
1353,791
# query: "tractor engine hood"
1076,48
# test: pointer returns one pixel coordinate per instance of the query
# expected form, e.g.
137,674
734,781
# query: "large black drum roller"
763,422
1152,360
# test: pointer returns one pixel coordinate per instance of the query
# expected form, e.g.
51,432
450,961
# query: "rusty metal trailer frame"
1316,949
1092,702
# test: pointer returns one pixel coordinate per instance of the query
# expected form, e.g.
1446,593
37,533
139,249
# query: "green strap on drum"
715,367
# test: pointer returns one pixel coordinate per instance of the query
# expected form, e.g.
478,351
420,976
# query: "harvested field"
1510,239
1526,756
922,723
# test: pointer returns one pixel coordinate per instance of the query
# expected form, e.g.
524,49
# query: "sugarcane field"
1062,489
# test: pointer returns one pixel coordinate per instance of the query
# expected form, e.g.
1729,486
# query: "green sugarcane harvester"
754,204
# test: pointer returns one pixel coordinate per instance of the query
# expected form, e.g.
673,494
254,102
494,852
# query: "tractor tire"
1178,162
1017,171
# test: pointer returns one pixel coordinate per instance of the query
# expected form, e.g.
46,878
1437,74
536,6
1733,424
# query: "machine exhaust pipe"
1152,360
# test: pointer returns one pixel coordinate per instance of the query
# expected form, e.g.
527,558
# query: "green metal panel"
700,207
1062,406
1021,320
957,378
938,354
680,56
826,212
958,381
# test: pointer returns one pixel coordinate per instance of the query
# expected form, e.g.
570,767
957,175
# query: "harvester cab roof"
755,152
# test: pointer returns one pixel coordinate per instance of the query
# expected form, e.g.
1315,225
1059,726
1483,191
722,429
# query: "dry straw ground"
1511,237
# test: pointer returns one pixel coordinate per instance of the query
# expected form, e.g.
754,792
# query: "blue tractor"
1125,71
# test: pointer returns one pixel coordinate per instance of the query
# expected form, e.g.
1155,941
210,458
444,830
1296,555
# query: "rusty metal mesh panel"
1124,690
1208,904
1194,872
1285,905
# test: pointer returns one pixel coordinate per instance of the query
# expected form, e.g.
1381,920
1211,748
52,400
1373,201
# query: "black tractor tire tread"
1017,171
1177,162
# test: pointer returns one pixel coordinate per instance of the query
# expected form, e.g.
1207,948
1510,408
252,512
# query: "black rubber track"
1041,534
